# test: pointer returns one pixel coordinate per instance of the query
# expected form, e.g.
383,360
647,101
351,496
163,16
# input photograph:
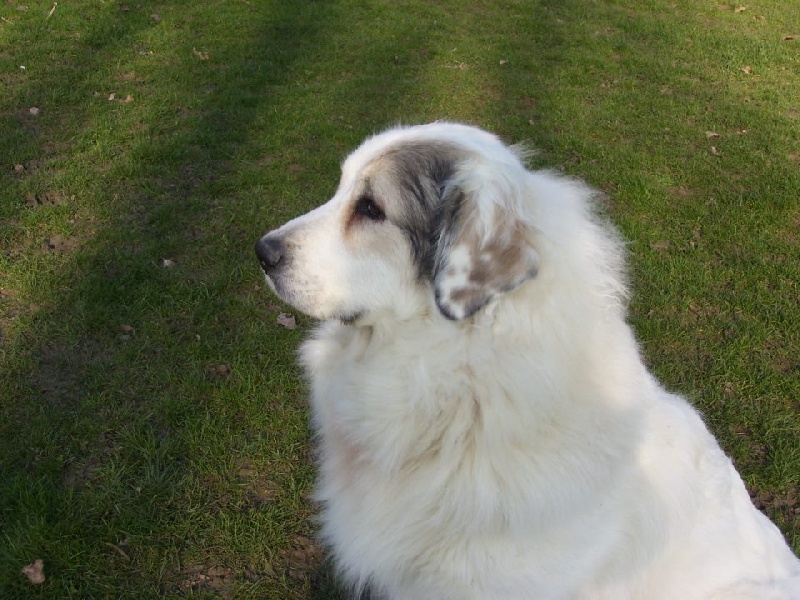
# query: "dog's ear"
482,251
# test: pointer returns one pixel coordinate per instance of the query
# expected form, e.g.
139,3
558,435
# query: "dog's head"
421,213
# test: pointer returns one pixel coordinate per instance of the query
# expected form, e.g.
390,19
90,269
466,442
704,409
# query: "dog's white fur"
494,434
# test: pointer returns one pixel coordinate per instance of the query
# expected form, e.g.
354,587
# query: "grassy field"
153,427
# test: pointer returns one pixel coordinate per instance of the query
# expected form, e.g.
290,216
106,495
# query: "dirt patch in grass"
82,472
259,489
60,370
771,501
57,375
49,198
782,506
300,565
27,168
214,578
780,355
301,559
756,456
61,243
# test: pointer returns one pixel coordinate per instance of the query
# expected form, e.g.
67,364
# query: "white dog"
486,427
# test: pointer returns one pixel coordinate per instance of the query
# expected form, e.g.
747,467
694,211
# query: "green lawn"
153,426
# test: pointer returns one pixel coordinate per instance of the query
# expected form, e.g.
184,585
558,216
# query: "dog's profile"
485,425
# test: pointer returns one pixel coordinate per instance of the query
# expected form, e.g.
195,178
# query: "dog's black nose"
269,250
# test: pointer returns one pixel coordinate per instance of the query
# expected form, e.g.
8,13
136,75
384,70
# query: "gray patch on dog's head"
419,173
438,218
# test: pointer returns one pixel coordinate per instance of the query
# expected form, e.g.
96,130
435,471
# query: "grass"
153,428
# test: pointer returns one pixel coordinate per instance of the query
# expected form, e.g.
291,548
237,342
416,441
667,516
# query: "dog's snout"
270,251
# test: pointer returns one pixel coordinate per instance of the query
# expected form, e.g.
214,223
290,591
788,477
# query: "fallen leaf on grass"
167,263
217,372
119,550
711,134
747,70
34,572
287,320
739,9
696,235
113,97
34,110
199,54
715,151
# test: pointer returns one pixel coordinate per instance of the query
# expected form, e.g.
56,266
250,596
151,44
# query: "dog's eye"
367,207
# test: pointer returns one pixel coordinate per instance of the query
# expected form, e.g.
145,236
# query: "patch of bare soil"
219,580
302,559
301,565
49,198
785,502
82,472
57,375
61,243
27,168
60,370
259,489
756,457
213,578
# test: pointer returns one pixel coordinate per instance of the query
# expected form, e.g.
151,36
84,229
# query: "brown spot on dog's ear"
483,252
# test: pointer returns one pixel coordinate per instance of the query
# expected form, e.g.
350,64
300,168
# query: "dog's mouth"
271,283
275,283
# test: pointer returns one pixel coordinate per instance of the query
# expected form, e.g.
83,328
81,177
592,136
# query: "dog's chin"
301,303
345,317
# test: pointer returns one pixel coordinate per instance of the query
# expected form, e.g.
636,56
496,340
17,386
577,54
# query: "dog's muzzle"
270,251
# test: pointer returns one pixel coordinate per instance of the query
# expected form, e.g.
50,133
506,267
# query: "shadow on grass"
115,433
